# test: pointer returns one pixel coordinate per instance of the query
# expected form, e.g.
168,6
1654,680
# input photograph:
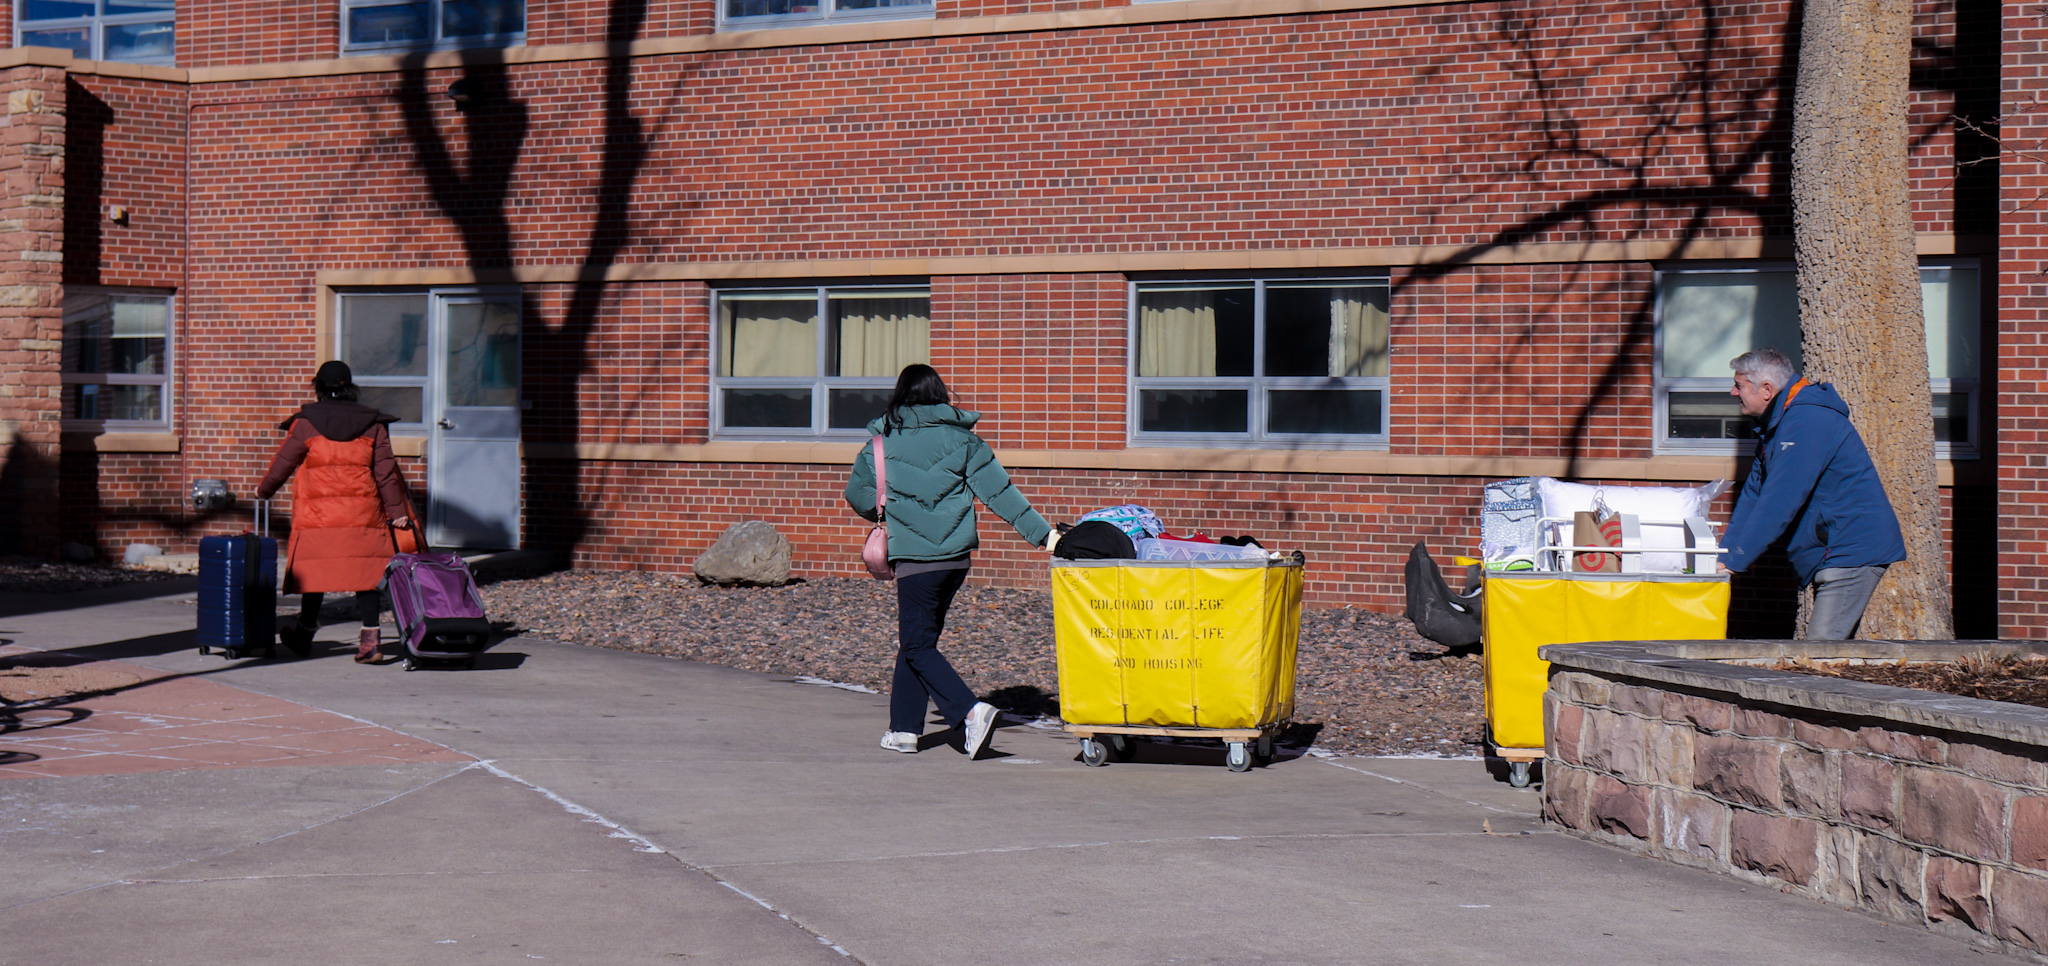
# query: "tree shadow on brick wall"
1740,132
474,197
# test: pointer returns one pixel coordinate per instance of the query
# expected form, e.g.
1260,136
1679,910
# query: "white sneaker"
980,723
902,741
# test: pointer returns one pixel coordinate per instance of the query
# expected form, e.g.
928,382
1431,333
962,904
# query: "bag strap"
881,482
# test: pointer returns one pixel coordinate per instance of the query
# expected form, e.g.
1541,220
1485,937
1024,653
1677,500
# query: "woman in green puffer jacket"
935,468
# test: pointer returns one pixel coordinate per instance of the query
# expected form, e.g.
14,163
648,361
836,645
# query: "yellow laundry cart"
1192,648
1525,610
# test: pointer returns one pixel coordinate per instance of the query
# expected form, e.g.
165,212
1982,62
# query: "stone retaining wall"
1919,807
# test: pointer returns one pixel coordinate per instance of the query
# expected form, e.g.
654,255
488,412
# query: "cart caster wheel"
204,650
270,652
410,665
1124,747
1518,774
1266,748
1093,753
1240,756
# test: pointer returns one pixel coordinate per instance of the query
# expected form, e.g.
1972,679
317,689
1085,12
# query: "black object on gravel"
1365,683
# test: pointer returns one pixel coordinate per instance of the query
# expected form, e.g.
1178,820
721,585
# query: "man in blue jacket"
1813,484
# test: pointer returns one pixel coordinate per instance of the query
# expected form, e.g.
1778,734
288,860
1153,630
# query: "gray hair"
1764,365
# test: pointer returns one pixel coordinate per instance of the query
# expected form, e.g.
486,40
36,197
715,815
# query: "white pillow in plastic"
1671,504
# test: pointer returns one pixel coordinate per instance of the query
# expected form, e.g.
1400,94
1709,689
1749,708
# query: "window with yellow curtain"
1261,360
812,361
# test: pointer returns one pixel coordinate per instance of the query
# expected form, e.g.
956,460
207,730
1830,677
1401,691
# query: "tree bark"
1859,281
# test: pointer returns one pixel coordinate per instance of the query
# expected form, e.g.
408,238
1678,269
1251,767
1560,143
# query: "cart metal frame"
1241,745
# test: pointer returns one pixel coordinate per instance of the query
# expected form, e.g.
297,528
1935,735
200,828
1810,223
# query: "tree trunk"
1859,281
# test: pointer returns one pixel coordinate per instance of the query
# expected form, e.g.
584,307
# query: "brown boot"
366,647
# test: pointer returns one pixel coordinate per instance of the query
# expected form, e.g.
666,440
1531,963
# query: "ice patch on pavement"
841,685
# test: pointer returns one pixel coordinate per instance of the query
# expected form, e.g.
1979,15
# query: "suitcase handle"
262,518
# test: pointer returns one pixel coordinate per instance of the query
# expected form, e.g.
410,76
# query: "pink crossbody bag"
875,552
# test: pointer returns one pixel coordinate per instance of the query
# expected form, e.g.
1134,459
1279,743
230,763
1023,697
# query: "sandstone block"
1691,824
25,101
1564,733
1648,702
2019,908
1870,791
18,296
1838,847
1761,724
2030,832
1704,713
1614,743
751,553
1738,770
1892,879
1804,782
1787,849
1998,765
1670,754
1826,737
1585,689
1898,744
1564,794
1617,807
1953,812
1955,890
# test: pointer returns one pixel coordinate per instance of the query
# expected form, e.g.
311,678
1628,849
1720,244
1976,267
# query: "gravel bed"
1366,683
23,575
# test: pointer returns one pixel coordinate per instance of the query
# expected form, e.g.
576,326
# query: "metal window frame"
1257,385
429,385
434,20
95,25
819,384
828,12
1661,387
163,379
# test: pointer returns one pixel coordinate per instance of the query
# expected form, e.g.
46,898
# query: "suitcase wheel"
203,649
410,665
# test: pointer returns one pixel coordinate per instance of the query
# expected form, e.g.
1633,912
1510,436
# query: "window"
1707,316
117,360
813,361
376,26
135,31
1280,361
383,338
775,13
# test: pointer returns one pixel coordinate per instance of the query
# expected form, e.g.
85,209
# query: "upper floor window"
117,360
134,31
813,361
1256,362
773,13
378,26
1707,316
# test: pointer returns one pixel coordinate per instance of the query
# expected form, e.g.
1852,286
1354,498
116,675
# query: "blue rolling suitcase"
238,591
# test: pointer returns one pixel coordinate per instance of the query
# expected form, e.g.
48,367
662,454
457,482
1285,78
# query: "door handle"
444,423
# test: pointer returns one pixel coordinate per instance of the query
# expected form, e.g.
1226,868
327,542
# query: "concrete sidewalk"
589,806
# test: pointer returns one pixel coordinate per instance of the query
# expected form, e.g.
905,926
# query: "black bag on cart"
238,591
1438,614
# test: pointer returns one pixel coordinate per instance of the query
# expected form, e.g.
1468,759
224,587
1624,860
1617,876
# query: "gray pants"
1839,596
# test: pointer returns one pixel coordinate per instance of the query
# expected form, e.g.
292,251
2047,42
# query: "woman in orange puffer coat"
347,499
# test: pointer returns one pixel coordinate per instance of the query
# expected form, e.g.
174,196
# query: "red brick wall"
1479,125
2022,354
125,145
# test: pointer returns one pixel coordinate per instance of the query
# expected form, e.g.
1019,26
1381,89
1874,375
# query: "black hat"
1095,540
333,374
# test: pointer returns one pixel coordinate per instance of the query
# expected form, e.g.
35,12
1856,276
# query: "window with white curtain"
751,14
117,360
383,26
130,31
812,361
1707,316
1260,361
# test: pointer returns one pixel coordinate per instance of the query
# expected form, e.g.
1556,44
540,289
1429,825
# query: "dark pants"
922,673
369,609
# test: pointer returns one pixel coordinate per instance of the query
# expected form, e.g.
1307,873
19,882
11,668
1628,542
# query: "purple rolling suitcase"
440,614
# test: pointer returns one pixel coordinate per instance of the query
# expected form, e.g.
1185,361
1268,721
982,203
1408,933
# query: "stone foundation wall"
1923,808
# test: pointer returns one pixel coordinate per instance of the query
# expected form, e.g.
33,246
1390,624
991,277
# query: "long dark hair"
918,385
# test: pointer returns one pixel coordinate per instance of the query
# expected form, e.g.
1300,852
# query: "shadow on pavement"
17,603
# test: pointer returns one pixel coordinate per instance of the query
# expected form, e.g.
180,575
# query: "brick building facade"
1516,189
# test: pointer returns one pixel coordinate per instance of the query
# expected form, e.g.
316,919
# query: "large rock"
750,554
